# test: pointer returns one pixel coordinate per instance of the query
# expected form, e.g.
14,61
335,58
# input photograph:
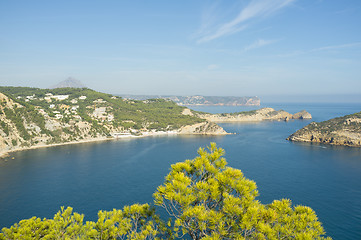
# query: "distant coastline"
199,100
35,118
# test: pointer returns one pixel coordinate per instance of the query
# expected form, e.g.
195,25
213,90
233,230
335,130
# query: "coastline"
6,153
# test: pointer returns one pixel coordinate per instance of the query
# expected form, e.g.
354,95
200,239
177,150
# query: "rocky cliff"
205,128
344,130
263,114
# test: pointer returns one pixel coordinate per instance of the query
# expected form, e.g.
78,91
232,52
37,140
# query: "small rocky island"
344,131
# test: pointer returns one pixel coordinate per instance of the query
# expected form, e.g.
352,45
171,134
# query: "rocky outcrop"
255,116
302,115
204,128
338,131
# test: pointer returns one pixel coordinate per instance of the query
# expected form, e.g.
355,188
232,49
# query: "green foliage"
156,114
4,127
134,222
208,200
16,118
205,200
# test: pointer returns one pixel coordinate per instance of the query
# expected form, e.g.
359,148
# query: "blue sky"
238,48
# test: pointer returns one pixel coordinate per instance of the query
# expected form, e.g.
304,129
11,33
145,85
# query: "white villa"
60,97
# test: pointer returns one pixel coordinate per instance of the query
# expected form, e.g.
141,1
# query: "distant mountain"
202,100
69,83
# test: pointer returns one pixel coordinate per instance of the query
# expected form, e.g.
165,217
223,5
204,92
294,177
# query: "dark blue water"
107,175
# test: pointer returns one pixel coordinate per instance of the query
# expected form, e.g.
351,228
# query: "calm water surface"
107,175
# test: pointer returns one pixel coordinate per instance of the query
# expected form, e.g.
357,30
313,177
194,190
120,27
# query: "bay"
106,175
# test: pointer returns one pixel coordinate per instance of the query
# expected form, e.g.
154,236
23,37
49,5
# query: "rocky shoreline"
344,131
205,128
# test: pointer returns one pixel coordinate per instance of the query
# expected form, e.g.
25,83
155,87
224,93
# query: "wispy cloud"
254,10
258,44
321,49
348,45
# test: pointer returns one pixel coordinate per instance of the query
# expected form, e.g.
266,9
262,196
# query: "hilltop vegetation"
157,114
204,199
344,130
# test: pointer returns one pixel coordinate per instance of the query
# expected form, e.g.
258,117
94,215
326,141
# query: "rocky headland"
344,131
263,114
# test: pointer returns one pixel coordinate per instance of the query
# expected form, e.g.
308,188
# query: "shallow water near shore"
94,176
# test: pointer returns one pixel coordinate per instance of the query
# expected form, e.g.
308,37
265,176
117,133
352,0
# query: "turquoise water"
107,175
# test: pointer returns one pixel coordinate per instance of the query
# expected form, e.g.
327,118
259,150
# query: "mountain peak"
69,83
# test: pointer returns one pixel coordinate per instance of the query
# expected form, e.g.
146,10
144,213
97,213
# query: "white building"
58,116
61,97
31,97
77,117
99,100
82,97
110,117
74,108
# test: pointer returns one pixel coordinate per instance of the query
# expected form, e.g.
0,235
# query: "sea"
102,176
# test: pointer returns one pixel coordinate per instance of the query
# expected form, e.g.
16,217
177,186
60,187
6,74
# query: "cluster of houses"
99,113
49,97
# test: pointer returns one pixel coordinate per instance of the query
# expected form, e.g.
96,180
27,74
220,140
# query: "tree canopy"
204,198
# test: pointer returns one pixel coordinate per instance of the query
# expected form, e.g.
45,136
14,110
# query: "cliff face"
255,116
338,131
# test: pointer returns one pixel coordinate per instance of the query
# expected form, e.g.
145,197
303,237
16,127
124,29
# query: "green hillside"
31,116
157,114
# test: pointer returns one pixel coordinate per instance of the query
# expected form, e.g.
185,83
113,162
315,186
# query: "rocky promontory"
204,128
262,114
344,130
